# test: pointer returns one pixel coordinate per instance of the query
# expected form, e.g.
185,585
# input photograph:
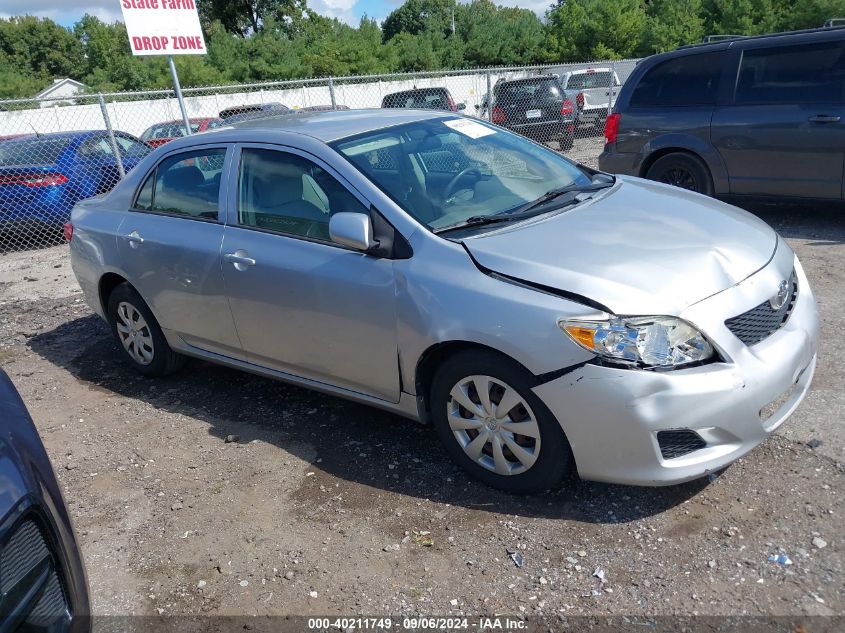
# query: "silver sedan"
540,315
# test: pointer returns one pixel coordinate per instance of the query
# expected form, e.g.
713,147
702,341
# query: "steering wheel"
450,188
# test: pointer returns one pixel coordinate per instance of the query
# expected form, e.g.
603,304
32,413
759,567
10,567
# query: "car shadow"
819,225
399,455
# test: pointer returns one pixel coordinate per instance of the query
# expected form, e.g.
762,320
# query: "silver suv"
539,314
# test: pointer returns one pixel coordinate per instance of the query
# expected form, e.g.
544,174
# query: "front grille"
679,443
761,322
26,549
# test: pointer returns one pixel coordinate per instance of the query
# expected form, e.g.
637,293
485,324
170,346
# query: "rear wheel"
682,170
494,426
139,334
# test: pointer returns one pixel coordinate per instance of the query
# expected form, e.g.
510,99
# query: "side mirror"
353,230
461,106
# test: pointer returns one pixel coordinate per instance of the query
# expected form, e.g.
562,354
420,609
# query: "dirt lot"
217,492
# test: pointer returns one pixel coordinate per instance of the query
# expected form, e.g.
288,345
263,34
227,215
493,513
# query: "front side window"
444,171
810,73
691,80
289,194
186,184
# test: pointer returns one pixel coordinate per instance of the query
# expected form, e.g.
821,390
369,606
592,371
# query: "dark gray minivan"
758,117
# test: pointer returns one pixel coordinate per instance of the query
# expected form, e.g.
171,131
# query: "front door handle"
240,259
134,239
825,118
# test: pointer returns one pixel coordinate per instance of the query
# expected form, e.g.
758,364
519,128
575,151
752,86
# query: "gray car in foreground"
539,314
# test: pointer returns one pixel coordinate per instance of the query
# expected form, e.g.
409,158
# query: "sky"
67,12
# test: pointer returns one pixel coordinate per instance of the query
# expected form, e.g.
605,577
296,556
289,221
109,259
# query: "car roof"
429,89
741,40
79,134
325,126
528,80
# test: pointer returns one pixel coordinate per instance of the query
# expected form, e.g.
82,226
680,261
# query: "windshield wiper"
481,220
547,197
530,209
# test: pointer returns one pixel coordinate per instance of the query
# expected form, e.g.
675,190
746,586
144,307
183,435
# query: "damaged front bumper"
612,416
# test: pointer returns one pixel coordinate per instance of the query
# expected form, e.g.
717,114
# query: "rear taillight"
579,99
611,128
452,105
567,108
498,115
33,180
68,232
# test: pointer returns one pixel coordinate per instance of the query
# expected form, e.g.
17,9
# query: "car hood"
638,248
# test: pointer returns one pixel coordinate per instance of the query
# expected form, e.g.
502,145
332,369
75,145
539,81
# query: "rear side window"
809,73
186,184
691,80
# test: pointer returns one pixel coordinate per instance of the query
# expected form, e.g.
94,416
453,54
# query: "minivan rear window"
807,73
690,80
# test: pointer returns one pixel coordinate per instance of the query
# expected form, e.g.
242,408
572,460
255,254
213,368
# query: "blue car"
43,586
43,176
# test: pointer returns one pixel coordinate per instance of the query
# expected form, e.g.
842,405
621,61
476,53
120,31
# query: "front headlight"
641,341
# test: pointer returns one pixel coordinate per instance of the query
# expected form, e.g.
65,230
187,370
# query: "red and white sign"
163,27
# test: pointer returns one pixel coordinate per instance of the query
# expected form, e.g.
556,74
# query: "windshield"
444,171
34,152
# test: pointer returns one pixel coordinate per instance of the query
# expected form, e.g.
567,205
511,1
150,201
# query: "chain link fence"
56,152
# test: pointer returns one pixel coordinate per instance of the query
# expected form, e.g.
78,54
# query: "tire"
682,170
567,141
547,458
149,354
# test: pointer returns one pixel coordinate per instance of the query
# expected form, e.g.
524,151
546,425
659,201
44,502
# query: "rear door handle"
240,259
134,239
824,118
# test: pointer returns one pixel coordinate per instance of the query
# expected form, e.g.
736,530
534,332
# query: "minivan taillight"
567,108
68,232
452,105
611,128
579,99
498,115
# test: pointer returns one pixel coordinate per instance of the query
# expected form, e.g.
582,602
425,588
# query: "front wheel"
494,426
682,170
140,337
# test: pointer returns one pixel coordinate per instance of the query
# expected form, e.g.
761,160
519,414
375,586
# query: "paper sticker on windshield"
469,128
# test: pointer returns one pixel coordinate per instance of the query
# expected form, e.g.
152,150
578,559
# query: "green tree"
580,30
246,17
40,47
418,16
672,23
745,17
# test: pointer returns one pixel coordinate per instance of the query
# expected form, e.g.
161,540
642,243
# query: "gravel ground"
217,492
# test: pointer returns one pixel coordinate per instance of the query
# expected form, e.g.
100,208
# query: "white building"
55,93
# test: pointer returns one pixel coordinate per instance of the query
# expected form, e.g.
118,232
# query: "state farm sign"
163,27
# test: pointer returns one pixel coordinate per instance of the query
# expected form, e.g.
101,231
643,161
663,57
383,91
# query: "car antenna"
37,135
